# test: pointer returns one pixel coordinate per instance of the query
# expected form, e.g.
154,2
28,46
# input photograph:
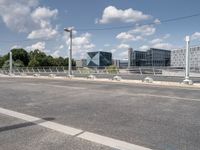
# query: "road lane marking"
92,137
110,142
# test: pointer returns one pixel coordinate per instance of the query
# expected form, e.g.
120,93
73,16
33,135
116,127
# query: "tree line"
36,58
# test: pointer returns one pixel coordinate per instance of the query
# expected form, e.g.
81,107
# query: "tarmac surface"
150,116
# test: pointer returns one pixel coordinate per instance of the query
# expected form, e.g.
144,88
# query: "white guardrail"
162,71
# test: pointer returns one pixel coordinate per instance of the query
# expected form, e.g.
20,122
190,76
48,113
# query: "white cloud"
113,50
144,30
47,33
137,34
56,54
112,14
16,14
81,44
125,36
166,36
61,46
123,55
157,21
26,16
155,41
43,13
39,45
163,46
123,46
195,36
43,17
144,48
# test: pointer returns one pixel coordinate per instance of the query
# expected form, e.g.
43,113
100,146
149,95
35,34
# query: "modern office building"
178,57
158,57
139,58
151,57
81,63
99,59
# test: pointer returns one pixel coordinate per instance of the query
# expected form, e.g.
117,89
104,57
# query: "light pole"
70,53
10,62
187,62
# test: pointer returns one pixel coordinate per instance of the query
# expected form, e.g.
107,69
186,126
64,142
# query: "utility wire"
117,27
130,26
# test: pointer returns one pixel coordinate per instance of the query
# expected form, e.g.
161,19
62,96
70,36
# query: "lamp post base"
187,81
70,76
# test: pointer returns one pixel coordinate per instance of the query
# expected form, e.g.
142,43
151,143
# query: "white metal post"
187,62
70,55
10,63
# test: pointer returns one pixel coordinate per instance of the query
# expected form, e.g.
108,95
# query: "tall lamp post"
187,62
70,53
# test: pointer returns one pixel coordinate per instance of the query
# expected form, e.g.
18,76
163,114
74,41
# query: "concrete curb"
155,83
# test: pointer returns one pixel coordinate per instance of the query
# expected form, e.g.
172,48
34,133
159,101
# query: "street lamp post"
70,53
187,62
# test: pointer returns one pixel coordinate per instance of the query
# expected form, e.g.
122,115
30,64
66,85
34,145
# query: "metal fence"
155,71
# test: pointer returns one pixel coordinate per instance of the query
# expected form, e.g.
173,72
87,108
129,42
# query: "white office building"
178,57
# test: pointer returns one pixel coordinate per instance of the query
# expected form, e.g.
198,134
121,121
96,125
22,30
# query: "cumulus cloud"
81,44
113,14
163,46
123,46
43,13
125,36
47,33
158,43
155,41
39,45
144,47
136,34
145,30
43,17
196,36
26,16
16,14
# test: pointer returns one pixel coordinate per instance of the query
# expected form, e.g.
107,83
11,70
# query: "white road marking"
110,142
92,137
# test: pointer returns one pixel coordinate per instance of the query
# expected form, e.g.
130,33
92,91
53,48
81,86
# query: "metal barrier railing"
162,71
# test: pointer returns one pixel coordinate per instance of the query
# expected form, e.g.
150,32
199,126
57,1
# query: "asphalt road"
155,117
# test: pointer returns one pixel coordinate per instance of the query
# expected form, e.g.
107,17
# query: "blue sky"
32,24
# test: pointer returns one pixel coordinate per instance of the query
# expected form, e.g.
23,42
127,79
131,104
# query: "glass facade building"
99,59
151,57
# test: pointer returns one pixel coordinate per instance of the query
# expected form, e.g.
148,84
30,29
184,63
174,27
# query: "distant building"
178,57
116,63
151,57
81,63
99,59
123,63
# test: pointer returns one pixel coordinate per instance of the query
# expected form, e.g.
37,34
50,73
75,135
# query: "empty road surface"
49,114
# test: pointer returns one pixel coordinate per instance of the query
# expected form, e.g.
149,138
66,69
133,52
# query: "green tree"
20,54
33,63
